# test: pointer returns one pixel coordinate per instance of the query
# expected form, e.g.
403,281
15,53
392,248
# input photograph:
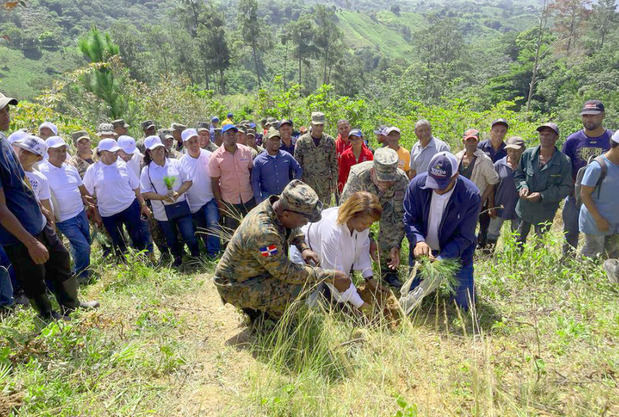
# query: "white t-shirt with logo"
196,170
151,181
437,208
113,185
64,185
39,185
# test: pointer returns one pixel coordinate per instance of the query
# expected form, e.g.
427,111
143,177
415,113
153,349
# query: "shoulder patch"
267,251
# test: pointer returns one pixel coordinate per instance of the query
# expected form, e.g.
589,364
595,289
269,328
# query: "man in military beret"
106,131
177,129
204,135
120,127
315,152
83,154
383,178
255,272
149,128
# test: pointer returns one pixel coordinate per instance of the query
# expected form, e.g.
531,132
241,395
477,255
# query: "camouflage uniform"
392,200
255,271
80,164
319,163
145,125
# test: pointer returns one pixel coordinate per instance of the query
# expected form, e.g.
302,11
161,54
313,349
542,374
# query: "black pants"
32,276
235,213
484,223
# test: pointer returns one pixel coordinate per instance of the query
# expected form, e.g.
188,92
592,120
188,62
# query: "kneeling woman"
341,240
164,184
119,202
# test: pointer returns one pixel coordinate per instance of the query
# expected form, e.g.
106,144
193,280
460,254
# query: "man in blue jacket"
441,209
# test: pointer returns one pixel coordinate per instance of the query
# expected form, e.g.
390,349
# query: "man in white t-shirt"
440,216
69,198
202,204
130,154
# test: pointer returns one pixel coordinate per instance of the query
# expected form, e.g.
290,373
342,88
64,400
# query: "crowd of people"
287,207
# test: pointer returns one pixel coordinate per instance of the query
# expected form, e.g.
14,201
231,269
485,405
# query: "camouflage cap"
318,118
203,126
386,164
147,124
251,132
300,198
105,129
80,134
177,126
120,123
271,120
273,133
241,128
165,134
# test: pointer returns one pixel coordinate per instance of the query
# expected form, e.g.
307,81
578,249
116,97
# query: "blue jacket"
456,233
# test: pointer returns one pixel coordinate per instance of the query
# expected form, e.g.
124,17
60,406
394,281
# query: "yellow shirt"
227,122
404,159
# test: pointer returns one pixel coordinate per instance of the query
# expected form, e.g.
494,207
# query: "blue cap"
214,119
230,115
252,125
356,132
442,167
229,127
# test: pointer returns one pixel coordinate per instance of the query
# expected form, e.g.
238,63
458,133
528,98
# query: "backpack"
581,173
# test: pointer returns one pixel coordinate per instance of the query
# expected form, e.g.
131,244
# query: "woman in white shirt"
69,197
164,184
342,241
119,202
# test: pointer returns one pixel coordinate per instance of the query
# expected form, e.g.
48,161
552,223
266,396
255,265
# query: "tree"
213,46
603,19
538,46
100,50
253,33
301,34
570,16
327,37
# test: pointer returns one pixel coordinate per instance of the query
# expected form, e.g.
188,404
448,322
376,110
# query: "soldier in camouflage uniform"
177,129
149,128
106,131
255,273
383,178
83,156
204,135
120,127
315,152
168,140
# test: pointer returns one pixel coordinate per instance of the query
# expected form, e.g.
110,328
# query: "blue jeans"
570,224
77,230
130,218
207,217
184,225
6,288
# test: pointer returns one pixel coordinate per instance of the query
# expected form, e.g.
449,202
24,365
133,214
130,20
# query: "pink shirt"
233,170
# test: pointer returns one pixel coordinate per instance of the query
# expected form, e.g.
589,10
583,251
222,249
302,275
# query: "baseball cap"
380,130
188,134
120,123
549,125
356,132
178,126
386,164
515,142
50,126
17,135
442,167
80,134
126,143
55,142
4,100
214,119
147,124
105,129
302,199
592,107
33,144
202,126
152,142
500,121
230,115
109,145
390,130
471,133
273,133
615,137
286,122
251,132
229,127
318,118
165,134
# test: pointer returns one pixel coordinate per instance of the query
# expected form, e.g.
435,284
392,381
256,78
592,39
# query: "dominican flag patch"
267,251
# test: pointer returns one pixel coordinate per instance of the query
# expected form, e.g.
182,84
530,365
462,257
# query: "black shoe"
393,280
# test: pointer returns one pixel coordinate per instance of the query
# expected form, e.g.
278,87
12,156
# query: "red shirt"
340,146
347,160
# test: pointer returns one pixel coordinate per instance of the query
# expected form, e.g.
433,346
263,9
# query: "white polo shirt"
196,170
113,186
64,185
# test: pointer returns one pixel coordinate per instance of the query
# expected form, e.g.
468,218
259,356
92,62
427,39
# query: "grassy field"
541,342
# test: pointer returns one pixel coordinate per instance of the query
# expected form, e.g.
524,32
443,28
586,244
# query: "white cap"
33,144
55,142
615,137
50,126
391,129
18,135
126,143
188,134
108,145
152,142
